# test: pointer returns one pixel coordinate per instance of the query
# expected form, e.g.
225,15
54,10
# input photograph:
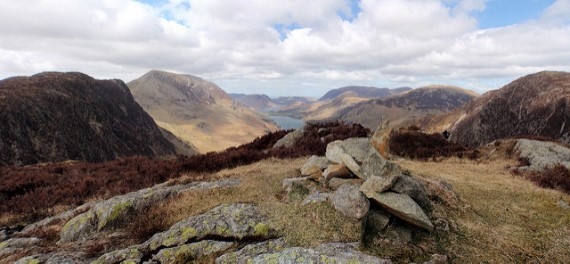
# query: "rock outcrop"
537,104
542,154
54,116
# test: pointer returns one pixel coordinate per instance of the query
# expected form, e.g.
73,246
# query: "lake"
285,122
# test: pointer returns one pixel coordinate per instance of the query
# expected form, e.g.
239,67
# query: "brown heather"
31,192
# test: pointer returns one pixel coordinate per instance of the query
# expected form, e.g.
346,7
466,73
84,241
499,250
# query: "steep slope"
197,111
537,104
70,116
408,107
258,102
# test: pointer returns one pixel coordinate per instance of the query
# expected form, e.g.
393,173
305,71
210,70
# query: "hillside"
257,102
362,91
537,104
54,116
336,100
197,111
408,107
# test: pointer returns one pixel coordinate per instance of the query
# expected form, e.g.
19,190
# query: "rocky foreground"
395,208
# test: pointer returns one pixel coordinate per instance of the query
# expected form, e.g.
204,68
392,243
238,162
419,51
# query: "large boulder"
403,207
188,252
348,200
224,223
114,212
289,140
249,251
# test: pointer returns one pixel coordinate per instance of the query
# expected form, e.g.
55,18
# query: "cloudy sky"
290,47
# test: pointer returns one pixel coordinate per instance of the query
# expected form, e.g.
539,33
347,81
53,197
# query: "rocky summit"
56,116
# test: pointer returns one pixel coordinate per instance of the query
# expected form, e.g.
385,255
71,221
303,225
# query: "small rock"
287,183
334,151
336,171
375,222
348,200
563,204
317,197
403,207
313,165
376,184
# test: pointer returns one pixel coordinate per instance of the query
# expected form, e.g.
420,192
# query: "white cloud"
276,46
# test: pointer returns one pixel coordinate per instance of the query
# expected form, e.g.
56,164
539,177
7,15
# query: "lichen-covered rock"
314,165
58,219
17,245
289,140
246,253
114,212
541,154
325,253
226,223
189,252
54,258
403,207
348,200
230,222
288,183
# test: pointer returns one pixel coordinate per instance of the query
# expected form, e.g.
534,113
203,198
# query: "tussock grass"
261,183
505,219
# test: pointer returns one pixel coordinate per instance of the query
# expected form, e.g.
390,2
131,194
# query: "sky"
290,47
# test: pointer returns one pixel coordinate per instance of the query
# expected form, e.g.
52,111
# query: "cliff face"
54,116
537,105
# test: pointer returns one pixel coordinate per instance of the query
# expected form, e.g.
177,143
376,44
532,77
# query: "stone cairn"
368,187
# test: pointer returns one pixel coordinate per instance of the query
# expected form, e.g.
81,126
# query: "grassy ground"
505,219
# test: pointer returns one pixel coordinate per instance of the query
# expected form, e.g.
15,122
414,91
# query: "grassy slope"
505,219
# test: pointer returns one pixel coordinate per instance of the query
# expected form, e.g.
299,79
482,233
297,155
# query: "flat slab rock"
403,207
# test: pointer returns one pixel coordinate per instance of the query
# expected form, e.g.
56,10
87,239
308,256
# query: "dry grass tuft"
505,219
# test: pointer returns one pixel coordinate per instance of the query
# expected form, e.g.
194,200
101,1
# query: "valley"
169,168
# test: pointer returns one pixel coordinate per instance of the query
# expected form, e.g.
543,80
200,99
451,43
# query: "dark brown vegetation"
557,177
30,191
414,144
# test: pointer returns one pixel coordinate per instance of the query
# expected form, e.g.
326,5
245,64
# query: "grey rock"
14,246
541,154
348,200
375,165
317,197
313,165
325,253
403,207
188,252
376,184
375,222
289,184
234,222
334,151
248,252
356,148
289,140
563,204
334,183
351,164
416,190
231,222
114,212
398,234
58,219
